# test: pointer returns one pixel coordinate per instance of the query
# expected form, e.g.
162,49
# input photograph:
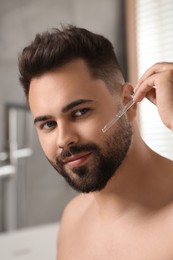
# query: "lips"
76,160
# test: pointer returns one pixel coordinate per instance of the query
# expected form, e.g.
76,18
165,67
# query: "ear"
126,95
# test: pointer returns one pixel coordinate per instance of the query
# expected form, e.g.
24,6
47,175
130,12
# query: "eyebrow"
64,109
75,103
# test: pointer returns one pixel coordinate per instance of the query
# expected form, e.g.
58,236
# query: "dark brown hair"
54,48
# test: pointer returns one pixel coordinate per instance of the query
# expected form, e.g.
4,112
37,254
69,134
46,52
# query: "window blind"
154,34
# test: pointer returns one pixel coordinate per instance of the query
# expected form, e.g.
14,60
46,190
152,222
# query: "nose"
66,136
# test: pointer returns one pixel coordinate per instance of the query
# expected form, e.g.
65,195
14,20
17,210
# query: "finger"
156,68
146,86
151,96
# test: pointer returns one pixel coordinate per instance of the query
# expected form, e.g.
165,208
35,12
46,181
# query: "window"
154,43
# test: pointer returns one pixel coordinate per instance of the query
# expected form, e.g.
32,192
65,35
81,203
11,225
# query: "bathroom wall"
41,193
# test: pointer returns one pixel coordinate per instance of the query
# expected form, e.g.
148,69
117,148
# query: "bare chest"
132,241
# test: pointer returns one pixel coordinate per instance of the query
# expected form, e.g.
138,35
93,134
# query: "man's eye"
80,112
48,125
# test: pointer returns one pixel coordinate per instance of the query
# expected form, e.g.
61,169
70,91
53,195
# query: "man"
74,86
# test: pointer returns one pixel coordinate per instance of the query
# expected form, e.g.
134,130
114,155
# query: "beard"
103,162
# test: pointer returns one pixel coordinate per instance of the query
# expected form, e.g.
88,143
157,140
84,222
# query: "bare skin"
157,85
132,217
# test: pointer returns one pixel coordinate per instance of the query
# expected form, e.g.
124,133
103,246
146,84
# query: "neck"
133,183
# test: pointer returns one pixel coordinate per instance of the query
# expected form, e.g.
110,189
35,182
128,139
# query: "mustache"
75,149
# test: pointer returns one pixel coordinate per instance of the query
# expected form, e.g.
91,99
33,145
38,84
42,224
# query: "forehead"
55,89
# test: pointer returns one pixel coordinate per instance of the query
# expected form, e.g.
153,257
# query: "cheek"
92,132
48,146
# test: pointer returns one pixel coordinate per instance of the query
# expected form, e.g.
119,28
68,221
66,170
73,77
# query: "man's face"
70,108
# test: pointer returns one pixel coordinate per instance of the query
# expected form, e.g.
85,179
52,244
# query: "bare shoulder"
73,214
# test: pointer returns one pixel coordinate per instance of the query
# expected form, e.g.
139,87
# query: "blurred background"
32,194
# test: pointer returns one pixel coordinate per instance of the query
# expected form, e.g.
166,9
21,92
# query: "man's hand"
156,84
